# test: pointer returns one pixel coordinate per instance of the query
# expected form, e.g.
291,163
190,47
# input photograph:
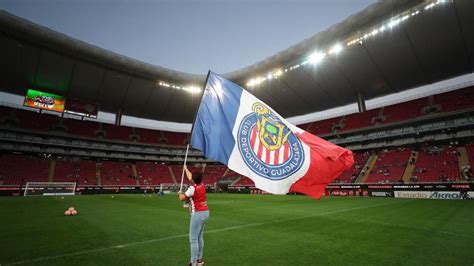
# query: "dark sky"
188,36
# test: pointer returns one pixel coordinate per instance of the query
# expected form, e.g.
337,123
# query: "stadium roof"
388,47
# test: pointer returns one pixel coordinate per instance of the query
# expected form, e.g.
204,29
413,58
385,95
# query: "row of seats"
151,173
450,101
433,164
437,165
89,129
350,175
15,169
446,102
81,171
19,169
470,152
117,173
390,166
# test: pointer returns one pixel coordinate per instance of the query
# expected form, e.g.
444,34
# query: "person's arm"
189,175
181,196
186,195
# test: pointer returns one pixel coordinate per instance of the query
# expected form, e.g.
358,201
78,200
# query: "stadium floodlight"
255,81
335,49
251,83
429,6
316,57
394,23
192,89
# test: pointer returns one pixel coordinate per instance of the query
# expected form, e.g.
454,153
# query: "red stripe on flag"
260,148
267,159
277,154
327,161
252,136
286,154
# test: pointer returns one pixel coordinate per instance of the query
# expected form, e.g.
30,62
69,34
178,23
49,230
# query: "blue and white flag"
235,128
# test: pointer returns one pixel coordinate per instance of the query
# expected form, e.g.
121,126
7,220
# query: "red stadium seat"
117,173
81,171
350,175
437,165
19,169
153,174
390,166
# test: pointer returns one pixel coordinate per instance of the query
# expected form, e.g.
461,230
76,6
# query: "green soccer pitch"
242,230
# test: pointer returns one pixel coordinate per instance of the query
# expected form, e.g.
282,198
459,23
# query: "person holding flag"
235,128
196,196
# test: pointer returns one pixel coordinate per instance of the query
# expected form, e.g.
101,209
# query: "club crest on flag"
268,146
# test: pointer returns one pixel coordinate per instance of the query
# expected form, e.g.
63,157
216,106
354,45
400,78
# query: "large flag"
235,128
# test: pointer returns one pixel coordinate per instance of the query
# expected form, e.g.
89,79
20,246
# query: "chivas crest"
267,145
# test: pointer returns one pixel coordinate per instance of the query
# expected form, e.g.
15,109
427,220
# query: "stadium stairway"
410,167
225,172
463,158
236,181
135,174
98,173
204,167
52,170
369,165
172,174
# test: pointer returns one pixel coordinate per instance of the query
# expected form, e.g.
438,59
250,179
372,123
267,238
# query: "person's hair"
197,178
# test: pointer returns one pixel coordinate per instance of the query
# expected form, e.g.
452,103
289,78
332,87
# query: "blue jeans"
196,231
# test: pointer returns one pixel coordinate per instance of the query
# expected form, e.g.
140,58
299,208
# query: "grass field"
242,230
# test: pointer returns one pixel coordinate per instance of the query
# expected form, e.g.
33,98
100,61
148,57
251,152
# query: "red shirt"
197,198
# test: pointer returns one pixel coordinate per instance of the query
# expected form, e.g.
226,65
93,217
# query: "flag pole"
182,174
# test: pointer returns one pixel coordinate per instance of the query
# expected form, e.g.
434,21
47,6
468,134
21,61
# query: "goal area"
50,188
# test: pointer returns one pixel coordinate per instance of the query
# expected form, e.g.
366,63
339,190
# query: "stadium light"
255,81
315,58
429,6
192,89
335,49
394,23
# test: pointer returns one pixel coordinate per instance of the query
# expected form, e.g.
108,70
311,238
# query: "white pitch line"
186,235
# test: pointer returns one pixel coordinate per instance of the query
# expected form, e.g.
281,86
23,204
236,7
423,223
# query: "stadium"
86,127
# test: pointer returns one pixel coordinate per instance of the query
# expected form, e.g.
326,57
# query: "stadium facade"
422,147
